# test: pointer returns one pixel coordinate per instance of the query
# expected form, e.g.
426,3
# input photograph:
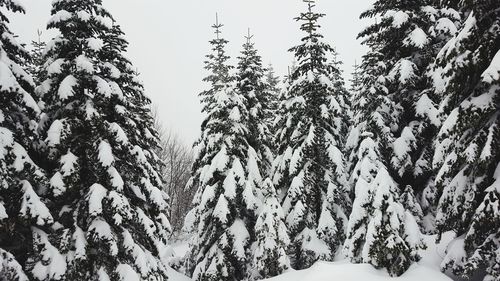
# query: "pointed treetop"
310,18
310,4
249,37
217,26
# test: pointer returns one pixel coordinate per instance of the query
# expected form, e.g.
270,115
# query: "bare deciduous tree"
177,158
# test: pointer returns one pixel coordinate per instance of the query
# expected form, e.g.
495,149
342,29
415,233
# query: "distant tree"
35,66
177,160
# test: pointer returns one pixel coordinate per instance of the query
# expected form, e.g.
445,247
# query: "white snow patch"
66,87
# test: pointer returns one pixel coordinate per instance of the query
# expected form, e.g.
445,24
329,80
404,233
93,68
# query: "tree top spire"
249,36
217,26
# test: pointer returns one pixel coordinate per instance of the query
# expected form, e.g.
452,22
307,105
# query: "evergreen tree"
380,231
270,257
272,82
250,83
409,35
226,202
309,169
355,79
35,66
24,215
467,154
100,144
409,201
342,99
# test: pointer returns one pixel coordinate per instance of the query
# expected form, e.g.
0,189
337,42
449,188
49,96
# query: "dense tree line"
412,147
285,173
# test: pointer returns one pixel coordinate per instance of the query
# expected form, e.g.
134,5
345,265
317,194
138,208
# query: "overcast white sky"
169,41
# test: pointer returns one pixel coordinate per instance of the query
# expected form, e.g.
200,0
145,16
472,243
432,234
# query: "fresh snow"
66,88
428,268
417,38
105,154
399,18
326,271
492,73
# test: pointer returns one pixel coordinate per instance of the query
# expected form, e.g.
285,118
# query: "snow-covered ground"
426,269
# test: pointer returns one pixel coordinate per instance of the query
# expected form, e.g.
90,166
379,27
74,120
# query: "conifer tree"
467,153
409,34
251,84
355,79
100,142
270,257
309,169
24,216
272,82
380,231
226,202
35,66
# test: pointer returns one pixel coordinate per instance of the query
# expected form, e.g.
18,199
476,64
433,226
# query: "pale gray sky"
169,41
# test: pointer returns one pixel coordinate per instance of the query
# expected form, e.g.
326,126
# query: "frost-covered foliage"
252,86
467,153
380,231
309,170
270,257
23,210
100,141
408,36
227,178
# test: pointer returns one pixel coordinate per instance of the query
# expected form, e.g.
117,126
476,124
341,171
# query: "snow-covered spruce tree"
409,35
35,65
355,82
467,152
251,85
342,101
24,216
272,82
100,142
270,257
226,202
309,169
273,86
380,231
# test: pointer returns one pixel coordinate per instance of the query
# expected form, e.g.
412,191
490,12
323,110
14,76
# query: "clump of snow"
105,154
84,64
66,87
95,44
60,16
417,38
399,18
54,133
492,73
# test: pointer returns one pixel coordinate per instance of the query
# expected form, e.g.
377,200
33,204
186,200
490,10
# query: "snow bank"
426,269
326,271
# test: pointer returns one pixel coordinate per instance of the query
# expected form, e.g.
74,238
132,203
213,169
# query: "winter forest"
393,173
